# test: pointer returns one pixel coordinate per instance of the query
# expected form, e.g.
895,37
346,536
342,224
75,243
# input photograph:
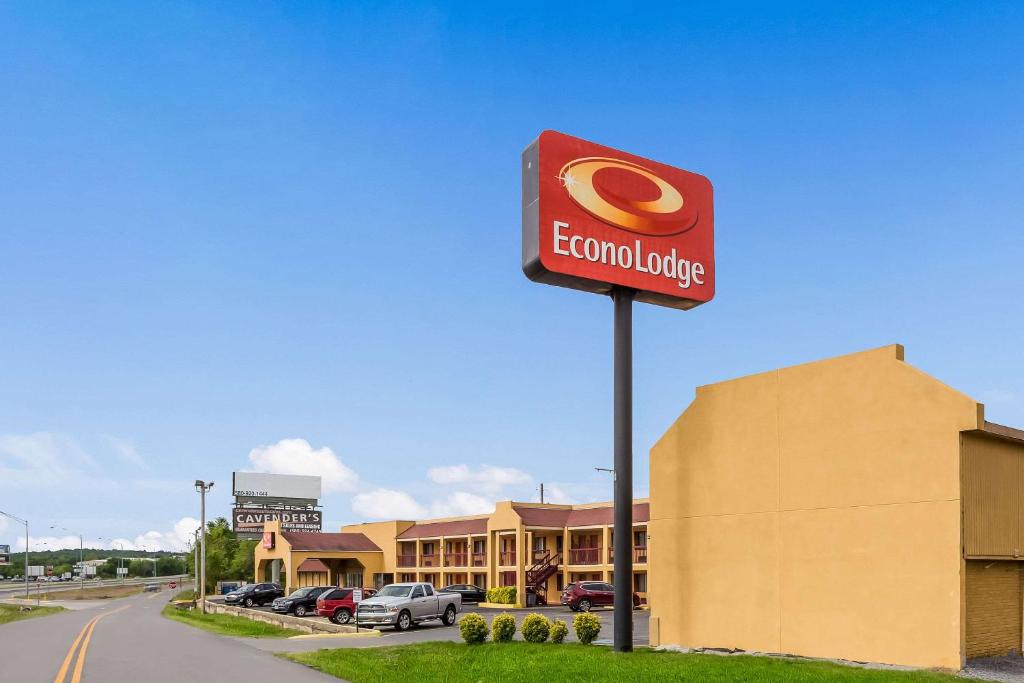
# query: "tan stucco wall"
814,510
385,536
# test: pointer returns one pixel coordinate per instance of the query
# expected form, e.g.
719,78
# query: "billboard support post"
623,475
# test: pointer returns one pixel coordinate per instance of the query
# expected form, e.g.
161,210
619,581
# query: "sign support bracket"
623,475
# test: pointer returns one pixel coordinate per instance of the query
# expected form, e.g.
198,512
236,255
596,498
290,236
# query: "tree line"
228,558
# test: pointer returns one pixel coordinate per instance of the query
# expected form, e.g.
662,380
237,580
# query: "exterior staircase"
537,576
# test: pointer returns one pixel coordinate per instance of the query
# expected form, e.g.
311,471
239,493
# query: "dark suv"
254,594
301,602
581,596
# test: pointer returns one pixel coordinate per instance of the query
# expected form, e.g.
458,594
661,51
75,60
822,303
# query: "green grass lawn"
9,613
228,625
455,662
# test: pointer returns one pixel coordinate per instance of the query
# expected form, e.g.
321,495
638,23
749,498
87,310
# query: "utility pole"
542,493
25,522
202,487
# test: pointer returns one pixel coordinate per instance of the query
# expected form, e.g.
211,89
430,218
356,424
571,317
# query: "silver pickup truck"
403,604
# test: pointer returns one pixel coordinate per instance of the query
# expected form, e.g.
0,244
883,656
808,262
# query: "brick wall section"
993,608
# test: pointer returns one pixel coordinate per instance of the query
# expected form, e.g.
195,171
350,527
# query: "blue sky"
225,225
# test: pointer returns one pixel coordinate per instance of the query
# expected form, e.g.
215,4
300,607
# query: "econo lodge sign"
595,217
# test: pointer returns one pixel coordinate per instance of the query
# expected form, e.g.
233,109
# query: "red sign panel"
595,217
268,540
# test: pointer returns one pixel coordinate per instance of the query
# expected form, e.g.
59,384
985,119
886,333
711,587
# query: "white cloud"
297,456
126,451
387,504
553,493
32,459
461,503
487,478
174,539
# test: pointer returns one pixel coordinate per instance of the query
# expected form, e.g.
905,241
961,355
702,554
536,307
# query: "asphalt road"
128,640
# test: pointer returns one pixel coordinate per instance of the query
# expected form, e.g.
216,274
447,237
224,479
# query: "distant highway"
15,589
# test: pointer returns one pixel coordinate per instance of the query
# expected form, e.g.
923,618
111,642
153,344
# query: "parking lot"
435,630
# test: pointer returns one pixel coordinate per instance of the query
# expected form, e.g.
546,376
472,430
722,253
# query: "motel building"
538,548
853,508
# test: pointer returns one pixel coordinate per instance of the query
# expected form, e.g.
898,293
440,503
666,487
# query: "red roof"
565,517
356,543
312,565
461,527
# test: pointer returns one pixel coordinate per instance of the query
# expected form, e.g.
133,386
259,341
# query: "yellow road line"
80,662
85,633
71,653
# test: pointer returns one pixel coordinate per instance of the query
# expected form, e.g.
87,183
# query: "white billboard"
258,485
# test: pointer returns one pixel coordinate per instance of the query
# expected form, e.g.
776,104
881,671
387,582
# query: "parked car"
403,604
301,602
469,593
254,594
337,605
581,596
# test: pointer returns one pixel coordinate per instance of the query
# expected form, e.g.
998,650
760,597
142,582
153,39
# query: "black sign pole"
623,477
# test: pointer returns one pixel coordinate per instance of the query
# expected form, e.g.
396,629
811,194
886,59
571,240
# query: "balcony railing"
639,554
455,559
479,559
406,560
507,558
585,556
432,560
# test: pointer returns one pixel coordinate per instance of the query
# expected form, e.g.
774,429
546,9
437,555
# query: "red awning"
312,565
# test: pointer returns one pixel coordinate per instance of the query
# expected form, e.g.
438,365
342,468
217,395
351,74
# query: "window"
428,548
478,547
338,594
640,538
640,583
381,580
540,543
560,582
417,592
429,590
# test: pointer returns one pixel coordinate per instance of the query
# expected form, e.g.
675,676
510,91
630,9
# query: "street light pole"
202,487
25,522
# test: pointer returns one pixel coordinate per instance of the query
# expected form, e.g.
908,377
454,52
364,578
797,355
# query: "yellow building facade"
838,509
538,548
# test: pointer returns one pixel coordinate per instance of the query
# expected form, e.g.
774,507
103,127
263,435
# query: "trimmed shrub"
587,626
503,627
559,631
536,628
474,628
502,595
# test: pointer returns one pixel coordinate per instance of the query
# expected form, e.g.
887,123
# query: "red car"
580,597
338,605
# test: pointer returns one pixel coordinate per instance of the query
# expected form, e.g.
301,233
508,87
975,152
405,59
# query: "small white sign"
357,595
36,570
122,571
